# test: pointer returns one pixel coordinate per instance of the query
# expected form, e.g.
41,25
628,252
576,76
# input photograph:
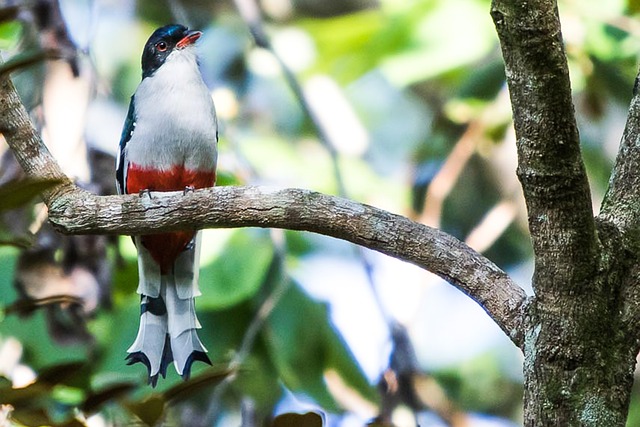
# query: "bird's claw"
145,192
188,189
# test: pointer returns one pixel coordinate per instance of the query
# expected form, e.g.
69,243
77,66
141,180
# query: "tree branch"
550,166
75,211
621,205
79,212
620,213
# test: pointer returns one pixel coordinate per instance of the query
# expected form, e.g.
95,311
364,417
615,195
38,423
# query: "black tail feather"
140,357
196,355
167,356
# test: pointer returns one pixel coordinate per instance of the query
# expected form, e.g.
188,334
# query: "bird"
168,143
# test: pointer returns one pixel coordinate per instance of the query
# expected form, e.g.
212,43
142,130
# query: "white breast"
175,117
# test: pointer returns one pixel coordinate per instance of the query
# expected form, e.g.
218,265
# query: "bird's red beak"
189,39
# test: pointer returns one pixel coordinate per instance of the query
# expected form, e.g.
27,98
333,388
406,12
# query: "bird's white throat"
175,116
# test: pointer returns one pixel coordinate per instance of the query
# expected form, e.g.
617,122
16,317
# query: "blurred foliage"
16,194
10,33
426,132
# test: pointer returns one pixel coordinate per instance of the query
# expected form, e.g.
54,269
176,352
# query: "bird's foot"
191,244
145,192
188,189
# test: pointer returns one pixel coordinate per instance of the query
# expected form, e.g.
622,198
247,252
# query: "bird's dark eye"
161,46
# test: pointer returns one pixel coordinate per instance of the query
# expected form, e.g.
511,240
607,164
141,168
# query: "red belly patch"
165,248
172,179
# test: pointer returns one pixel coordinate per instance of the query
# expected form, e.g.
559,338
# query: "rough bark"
578,357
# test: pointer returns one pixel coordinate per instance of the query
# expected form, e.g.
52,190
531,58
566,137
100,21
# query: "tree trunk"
579,341
575,376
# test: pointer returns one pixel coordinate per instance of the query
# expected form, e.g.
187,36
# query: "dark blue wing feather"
127,131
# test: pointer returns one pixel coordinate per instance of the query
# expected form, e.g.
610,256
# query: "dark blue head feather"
160,45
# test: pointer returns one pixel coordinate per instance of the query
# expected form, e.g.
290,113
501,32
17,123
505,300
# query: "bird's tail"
168,322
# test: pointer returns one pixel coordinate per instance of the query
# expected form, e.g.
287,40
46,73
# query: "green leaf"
344,42
149,410
8,258
23,397
481,384
341,360
10,33
633,6
31,417
40,349
60,373
17,193
304,345
68,396
439,41
223,330
237,273
115,330
485,82
258,379
227,178
95,401
299,243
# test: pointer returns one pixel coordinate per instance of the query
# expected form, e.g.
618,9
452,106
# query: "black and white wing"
121,163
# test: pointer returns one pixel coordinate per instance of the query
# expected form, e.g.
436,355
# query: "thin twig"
29,58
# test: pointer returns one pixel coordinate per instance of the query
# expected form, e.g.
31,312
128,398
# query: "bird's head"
164,42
